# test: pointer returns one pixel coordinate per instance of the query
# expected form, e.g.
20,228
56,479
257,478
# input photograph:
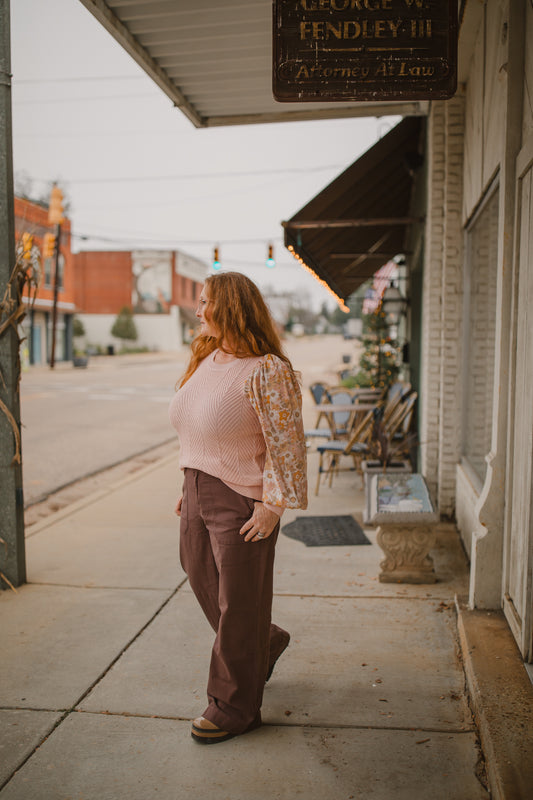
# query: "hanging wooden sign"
364,50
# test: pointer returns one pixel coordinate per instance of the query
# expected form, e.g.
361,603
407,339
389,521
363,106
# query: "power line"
78,99
200,175
167,244
92,134
80,79
126,238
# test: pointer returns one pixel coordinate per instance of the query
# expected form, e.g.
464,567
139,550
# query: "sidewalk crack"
66,712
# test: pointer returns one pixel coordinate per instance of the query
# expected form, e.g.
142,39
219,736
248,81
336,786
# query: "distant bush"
124,325
78,329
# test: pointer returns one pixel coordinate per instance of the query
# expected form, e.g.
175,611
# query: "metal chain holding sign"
24,277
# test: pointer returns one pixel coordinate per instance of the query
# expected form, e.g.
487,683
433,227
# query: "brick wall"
103,282
431,298
32,218
441,415
185,291
451,378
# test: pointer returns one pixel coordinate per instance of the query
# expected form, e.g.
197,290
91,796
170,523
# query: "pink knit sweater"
242,422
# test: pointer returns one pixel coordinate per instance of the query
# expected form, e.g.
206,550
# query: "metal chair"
319,393
356,446
386,424
339,422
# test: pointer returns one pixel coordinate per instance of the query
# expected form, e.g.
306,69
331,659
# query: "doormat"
326,531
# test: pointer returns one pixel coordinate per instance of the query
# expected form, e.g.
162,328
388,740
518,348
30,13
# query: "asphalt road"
78,422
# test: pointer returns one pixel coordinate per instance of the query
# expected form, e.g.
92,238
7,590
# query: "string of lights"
340,300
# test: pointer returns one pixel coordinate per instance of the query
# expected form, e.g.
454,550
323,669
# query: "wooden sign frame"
369,50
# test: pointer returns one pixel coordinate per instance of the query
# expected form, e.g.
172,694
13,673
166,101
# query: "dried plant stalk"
2,576
25,275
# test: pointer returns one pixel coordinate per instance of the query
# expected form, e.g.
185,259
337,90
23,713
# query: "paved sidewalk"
105,655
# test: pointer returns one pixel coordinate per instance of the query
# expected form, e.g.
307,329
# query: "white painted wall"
161,332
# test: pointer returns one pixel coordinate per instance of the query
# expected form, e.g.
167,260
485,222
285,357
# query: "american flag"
382,279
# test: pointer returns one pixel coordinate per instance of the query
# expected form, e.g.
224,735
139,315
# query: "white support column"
486,569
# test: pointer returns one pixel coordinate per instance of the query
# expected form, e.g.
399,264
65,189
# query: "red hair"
242,319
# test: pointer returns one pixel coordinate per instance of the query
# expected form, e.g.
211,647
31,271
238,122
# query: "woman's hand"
177,510
262,521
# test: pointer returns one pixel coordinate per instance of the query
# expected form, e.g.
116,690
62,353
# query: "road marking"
36,396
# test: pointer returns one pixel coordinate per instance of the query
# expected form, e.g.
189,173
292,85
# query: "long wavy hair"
242,320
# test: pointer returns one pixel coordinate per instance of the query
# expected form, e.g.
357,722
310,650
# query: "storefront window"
61,271
480,331
49,267
48,271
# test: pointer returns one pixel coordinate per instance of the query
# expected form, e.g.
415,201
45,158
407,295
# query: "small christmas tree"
379,361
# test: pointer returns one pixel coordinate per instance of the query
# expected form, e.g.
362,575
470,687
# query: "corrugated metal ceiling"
213,58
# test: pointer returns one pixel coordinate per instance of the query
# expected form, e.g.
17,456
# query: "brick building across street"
161,287
31,218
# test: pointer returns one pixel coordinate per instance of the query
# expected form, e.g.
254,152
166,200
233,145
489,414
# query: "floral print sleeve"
276,398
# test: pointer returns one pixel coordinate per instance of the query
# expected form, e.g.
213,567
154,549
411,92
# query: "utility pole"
12,551
56,290
55,217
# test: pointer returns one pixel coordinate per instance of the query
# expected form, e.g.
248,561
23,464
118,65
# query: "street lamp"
55,217
394,304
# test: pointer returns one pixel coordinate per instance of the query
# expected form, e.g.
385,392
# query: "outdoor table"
327,408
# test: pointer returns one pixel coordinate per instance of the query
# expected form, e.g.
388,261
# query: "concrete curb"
77,505
502,701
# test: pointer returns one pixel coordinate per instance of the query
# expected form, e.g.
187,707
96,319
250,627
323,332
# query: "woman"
242,448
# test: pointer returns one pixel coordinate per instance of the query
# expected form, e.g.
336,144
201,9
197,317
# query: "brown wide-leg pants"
233,582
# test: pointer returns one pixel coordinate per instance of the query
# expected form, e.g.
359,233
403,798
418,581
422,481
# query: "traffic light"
270,262
27,244
55,209
49,245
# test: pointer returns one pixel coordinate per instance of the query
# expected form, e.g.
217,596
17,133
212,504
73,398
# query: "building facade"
477,295
161,287
468,237
31,220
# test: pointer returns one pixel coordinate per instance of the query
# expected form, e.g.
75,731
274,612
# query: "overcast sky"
137,172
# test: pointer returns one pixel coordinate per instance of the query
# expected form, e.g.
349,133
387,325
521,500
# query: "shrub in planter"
78,328
124,325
